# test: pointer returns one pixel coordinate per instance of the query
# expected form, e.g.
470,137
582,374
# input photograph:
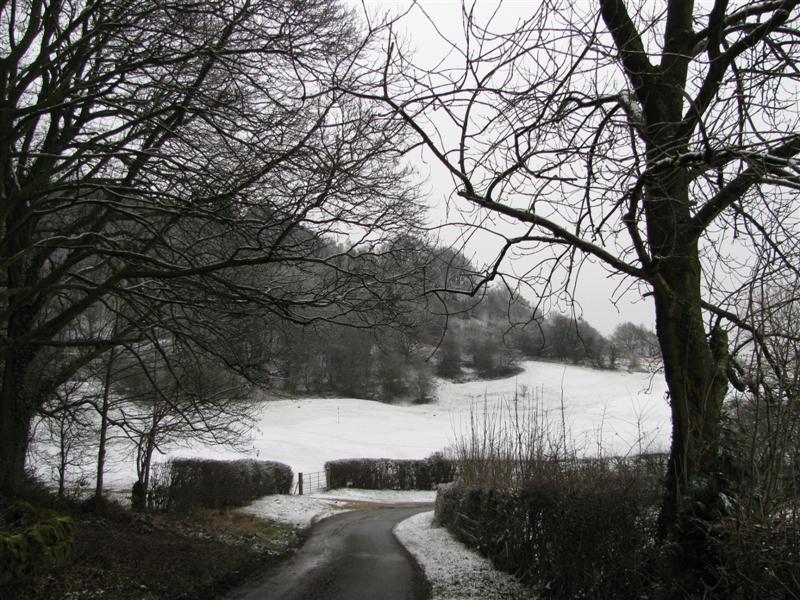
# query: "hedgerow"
584,533
190,482
390,474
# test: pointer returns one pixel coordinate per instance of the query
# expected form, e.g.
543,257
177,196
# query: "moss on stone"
41,547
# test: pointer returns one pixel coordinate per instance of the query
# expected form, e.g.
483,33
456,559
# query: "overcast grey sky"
599,296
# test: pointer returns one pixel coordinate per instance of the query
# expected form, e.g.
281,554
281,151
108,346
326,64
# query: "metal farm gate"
310,482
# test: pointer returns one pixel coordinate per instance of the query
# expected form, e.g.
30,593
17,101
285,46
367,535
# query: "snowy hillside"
620,409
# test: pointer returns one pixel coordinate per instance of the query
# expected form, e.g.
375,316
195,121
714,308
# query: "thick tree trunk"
697,390
18,398
16,413
693,365
694,370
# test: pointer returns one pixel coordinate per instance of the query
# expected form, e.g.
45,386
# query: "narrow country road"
350,556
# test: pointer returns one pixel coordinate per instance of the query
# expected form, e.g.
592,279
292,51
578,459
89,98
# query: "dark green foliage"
43,543
585,532
389,474
189,483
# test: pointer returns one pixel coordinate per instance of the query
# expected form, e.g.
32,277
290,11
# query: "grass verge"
123,555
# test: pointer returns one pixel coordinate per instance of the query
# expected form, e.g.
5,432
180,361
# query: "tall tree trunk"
697,389
15,419
694,369
144,457
18,398
17,409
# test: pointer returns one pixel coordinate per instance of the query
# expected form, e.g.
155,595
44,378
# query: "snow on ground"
627,411
620,411
302,511
379,496
454,571
297,511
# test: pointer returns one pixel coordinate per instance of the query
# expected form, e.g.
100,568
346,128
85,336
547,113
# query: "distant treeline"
450,334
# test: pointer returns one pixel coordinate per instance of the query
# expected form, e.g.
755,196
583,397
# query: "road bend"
349,556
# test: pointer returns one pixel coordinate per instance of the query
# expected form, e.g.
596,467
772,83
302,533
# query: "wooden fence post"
300,483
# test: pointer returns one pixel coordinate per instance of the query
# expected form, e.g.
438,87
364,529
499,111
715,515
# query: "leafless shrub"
570,526
759,542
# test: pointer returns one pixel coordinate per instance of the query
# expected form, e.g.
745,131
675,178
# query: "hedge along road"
350,556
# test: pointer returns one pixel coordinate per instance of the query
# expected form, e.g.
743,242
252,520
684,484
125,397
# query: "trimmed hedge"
190,482
389,474
41,547
573,536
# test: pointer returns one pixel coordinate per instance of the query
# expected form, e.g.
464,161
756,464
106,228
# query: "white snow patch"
454,571
297,511
379,496
302,511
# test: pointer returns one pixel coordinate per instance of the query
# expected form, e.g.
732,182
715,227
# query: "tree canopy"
180,165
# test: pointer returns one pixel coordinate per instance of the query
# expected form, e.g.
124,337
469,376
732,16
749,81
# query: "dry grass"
121,555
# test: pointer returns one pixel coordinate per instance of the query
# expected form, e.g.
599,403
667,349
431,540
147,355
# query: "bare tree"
634,342
766,407
658,139
66,433
761,437
568,338
176,394
153,152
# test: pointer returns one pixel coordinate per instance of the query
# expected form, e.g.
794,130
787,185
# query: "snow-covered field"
621,411
623,408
